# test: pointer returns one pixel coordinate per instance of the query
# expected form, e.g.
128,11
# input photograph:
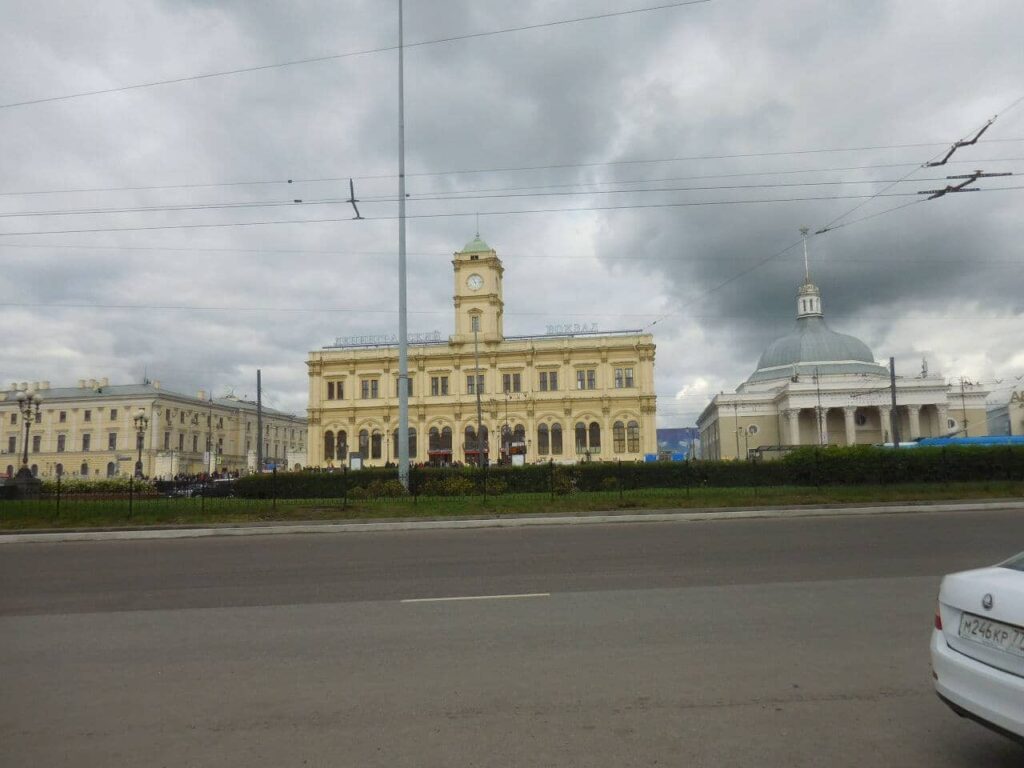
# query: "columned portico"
793,426
885,419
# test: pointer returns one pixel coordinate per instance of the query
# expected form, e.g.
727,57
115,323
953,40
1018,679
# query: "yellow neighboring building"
568,396
90,431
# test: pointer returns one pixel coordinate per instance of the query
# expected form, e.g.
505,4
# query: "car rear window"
1016,563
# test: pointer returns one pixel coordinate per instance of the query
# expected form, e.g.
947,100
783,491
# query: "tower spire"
807,264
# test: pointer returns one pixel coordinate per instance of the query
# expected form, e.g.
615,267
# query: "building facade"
91,431
815,386
564,397
1008,419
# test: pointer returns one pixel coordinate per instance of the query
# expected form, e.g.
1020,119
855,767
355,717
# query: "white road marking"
474,597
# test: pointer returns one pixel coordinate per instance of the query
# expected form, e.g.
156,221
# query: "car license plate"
994,634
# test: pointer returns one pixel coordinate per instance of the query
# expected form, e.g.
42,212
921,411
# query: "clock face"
475,282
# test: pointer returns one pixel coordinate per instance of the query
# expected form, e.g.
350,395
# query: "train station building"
569,395
815,386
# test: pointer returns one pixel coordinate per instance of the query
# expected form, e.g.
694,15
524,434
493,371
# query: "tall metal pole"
403,331
259,421
479,410
817,385
963,405
895,417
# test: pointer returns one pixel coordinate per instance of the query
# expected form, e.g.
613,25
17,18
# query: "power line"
559,166
834,224
518,212
349,54
437,197
508,256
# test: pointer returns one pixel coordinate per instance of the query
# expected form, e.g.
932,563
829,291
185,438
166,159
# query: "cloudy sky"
671,156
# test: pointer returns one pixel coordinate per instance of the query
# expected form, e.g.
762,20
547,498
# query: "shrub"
609,484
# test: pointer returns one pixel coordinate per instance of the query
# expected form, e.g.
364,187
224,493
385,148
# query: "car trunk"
962,601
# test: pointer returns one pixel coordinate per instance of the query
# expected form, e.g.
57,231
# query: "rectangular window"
181,417
506,382
543,381
37,441
581,379
330,390
517,382
408,386
195,443
14,418
61,439
39,418
439,385
475,323
591,379
370,389
553,380
87,416
63,417
112,441
12,444
167,441
618,378
86,442
629,377
113,414
479,384
181,442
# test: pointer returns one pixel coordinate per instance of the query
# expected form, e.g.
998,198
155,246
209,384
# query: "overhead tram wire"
349,54
463,214
558,166
835,223
437,197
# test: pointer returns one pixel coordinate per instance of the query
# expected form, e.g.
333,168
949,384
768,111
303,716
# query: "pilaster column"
914,414
793,422
849,417
885,417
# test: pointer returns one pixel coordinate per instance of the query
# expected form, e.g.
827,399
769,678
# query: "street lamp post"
141,424
28,404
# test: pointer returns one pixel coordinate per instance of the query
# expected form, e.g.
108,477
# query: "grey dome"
812,346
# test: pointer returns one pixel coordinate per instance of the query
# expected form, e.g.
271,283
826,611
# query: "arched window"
470,437
84,470
376,444
342,452
543,442
364,443
556,439
633,437
59,470
619,437
111,469
581,437
412,443
446,439
433,439
328,445
595,436
519,434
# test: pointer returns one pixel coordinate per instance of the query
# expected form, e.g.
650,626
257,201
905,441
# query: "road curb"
600,518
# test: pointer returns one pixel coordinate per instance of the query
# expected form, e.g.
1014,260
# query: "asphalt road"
799,642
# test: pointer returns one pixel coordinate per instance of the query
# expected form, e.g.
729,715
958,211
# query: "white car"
978,646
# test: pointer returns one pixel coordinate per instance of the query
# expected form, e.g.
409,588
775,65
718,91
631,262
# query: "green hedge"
859,465
106,485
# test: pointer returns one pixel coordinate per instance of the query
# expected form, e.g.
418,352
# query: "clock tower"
478,301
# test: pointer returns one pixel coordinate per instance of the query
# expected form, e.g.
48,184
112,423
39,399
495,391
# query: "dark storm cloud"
721,78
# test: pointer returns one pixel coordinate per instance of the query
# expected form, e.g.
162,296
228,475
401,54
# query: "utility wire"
834,224
559,166
349,54
635,206
455,195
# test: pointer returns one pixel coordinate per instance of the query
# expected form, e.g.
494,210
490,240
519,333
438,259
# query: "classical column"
943,415
793,418
849,417
885,417
914,413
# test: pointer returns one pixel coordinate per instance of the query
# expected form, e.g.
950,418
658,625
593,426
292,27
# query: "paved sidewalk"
518,521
